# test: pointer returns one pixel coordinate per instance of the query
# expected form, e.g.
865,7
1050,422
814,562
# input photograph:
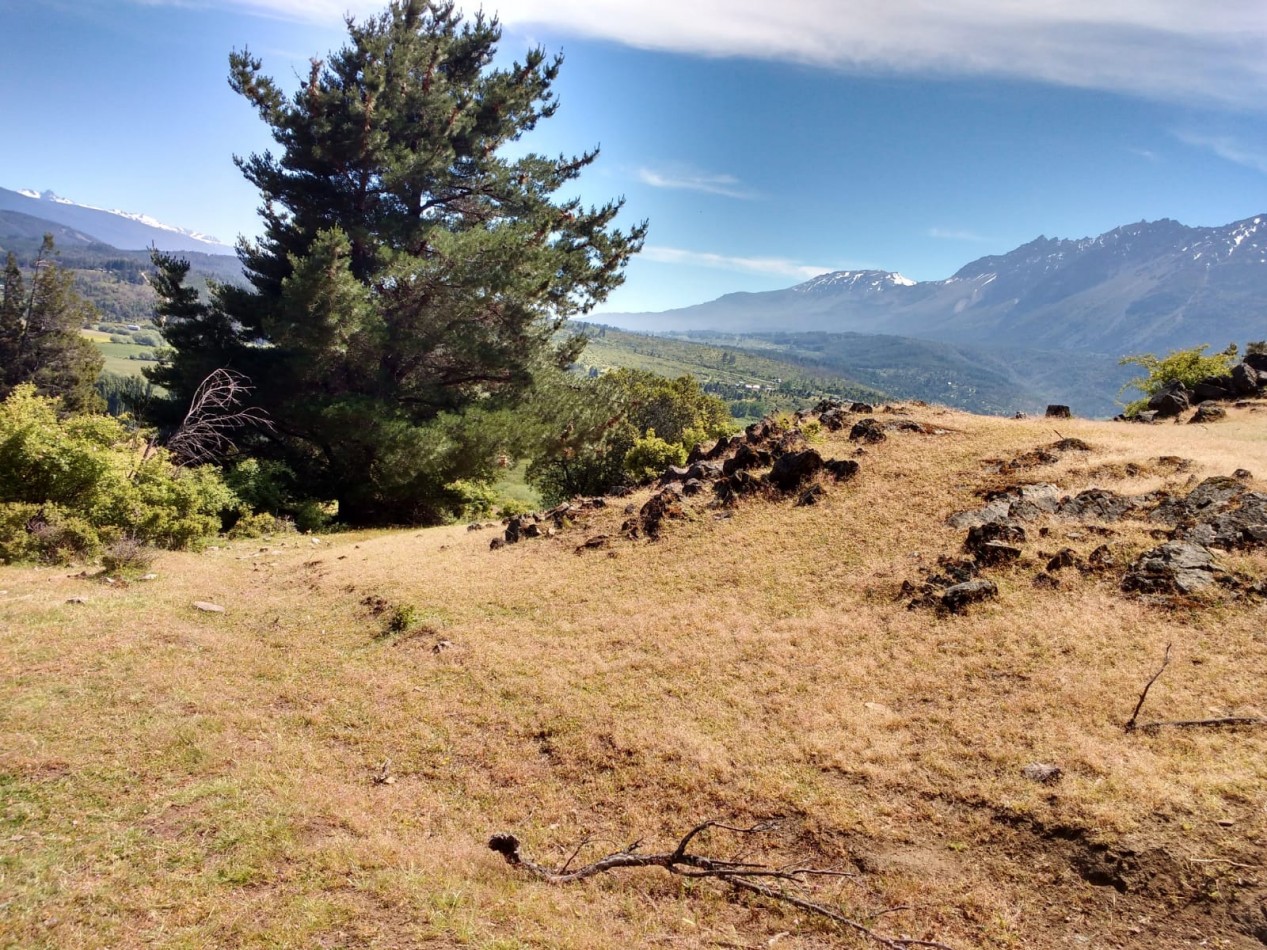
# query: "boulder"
747,457
958,597
1055,411
1145,416
705,471
841,469
675,473
996,552
867,430
1244,379
1170,401
1066,557
1256,361
1213,387
794,469
1005,532
1175,567
833,420
1098,503
692,486
1207,412
665,505
861,407
812,496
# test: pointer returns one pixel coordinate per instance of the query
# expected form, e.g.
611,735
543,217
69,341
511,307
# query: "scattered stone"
1098,503
665,505
1059,412
868,430
1066,557
841,469
813,496
1243,474
441,645
1207,412
496,543
1146,416
674,473
1175,567
993,532
1043,773
692,486
208,607
958,597
1101,559
1070,445
77,600
861,407
1046,581
1213,387
598,541
997,552
794,469
747,457
834,419
475,527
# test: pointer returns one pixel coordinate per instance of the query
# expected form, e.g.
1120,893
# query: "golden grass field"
176,778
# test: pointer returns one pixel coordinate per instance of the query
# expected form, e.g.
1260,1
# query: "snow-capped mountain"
121,229
1151,286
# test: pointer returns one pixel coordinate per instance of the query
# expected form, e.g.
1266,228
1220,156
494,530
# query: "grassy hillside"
289,774
754,384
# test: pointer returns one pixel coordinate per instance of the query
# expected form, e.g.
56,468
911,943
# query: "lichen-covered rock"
957,598
867,430
1207,412
1174,567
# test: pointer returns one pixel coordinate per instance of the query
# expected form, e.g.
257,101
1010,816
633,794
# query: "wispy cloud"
951,234
779,266
1229,148
726,185
1166,49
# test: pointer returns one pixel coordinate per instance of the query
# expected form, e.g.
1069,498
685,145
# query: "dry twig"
1219,722
763,880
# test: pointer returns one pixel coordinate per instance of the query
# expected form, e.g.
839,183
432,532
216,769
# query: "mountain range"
1152,286
120,229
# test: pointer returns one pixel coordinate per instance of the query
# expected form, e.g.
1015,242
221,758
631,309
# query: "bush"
272,488
128,557
1188,366
651,455
70,485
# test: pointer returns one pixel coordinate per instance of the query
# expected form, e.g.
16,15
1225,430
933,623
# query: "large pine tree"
411,278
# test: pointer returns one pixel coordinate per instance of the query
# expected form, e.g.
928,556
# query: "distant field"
117,354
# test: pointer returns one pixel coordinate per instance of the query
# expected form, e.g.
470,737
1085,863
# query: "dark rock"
692,486
731,488
530,530
813,496
1244,379
1241,526
476,526
1213,387
861,407
868,430
514,529
996,552
791,441
1207,412
1066,557
1098,503
1256,361
956,598
827,405
705,471
833,420
1059,412
1206,500
697,454
1146,416
747,457
722,446
841,469
1046,581
1007,532
794,469
1170,402
1175,567
674,473
598,541
1101,559
657,510
1243,474
760,431
1070,445
496,543
954,571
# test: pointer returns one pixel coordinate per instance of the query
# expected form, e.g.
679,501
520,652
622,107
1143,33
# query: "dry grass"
177,778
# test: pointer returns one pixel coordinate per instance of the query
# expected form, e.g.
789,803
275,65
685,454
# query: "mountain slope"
1147,286
119,229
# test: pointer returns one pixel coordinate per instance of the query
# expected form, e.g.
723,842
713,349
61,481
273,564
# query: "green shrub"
69,485
1188,366
272,488
477,499
511,507
651,455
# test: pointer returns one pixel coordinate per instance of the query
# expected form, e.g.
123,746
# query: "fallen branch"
1165,662
763,880
1221,722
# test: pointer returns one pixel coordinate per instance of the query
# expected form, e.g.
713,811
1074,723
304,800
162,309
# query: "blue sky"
764,142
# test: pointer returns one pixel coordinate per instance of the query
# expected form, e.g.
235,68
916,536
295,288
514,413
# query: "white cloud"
1168,49
951,234
727,185
779,266
1228,148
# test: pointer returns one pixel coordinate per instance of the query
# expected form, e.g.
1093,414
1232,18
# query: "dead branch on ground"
772,883
1133,724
